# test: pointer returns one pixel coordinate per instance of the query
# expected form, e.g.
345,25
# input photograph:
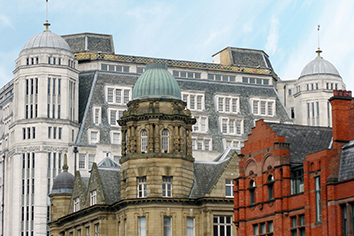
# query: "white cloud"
273,36
248,27
4,20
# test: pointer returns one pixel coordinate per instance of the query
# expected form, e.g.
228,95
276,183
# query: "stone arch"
250,167
268,162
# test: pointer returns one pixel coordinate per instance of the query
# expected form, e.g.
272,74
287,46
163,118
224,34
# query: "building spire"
318,39
46,24
65,166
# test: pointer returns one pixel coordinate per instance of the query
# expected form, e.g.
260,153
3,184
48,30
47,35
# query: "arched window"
270,187
143,141
164,140
252,192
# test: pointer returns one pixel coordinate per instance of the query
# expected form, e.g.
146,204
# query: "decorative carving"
55,149
31,149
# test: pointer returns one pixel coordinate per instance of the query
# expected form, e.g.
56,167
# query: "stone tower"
156,139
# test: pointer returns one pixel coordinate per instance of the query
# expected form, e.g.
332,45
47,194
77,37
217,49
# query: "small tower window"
143,141
271,187
252,192
164,140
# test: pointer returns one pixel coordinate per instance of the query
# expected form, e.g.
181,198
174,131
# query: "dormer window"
93,197
144,137
164,140
76,204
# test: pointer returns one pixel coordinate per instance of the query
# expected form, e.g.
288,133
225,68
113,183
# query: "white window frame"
117,111
93,197
76,204
220,102
190,226
143,141
197,127
96,119
118,101
165,141
233,143
229,187
188,95
141,187
167,226
229,125
113,140
167,186
220,225
91,136
82,160
266,101
195,140
142,226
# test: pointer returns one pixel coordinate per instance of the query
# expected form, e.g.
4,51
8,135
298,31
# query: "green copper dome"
156,82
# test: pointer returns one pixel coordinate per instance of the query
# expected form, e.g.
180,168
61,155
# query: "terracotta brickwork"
283,207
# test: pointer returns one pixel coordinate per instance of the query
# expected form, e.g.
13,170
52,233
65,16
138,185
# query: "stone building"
69,91
159,188
298,180
306,99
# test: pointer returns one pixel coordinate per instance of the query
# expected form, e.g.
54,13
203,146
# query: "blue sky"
193,30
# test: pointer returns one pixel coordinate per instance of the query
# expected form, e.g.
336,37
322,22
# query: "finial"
46,24
318,37
65,166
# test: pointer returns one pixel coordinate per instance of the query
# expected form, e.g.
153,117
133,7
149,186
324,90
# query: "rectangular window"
238,127
54,132
199,144
59,133
297,180
199,102
224,125
206,144
82,161
49,132
231,126
263,107
190,226
227,104
23,133
93,197
96,115
142,226
118,96
222,225
221,104
141,187
167,186
203,124
192,101
318,199
87,229
167,226
91,160
110,95
270,108
234,105
94,137
255,107
76,204
126,96
28,133
229,187
115,138
113,117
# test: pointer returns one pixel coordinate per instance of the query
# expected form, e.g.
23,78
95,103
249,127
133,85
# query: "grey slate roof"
85,182
210,88
250,58
303,139
346,168
90,42
110,180
206,174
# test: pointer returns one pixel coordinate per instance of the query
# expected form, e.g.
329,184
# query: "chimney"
340,117
351,120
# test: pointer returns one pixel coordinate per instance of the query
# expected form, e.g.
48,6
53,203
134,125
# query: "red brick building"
298,180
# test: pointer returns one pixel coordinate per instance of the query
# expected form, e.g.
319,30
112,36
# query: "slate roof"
91,92
303,139
206,174
250,58
346,168
110,180
90,42
85,182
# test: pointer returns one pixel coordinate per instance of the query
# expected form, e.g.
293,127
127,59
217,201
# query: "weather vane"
46,24
318,38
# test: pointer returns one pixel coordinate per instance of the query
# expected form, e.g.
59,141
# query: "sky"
192,30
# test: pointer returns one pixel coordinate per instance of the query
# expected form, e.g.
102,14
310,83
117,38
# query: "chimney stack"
342,117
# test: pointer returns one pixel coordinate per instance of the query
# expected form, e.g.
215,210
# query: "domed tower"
45,124
61,192
314,87
157,157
